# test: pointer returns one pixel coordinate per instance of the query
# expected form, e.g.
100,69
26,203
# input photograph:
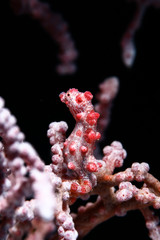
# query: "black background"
30,85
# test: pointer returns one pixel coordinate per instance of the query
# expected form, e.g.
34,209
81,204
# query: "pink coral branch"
84,175
35,198
152,222
74,173
107,92
128,39
24,176
57,28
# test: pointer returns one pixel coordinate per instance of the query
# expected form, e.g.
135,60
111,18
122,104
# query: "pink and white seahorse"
79,146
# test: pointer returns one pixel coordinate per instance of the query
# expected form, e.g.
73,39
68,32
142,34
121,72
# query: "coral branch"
57,28
74,173
23,176
152,222
36,199
128,39
108,91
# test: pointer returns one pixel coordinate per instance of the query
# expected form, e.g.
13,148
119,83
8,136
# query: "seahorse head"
76,101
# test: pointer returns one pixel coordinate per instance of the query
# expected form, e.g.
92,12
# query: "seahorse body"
79,146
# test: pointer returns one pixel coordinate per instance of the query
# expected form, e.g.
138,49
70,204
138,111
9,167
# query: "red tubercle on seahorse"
81,187
62,96
92,118
92,167
88,95
79,133
71,166
84,149
74,187
73,90
82,97
90,135
72,148
79,116
79,98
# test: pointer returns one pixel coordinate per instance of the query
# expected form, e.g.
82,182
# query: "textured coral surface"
74,168
74,173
